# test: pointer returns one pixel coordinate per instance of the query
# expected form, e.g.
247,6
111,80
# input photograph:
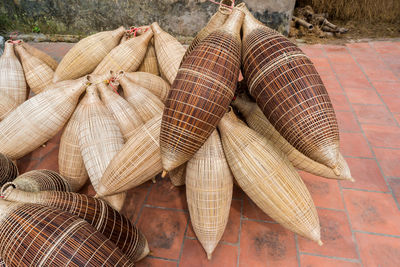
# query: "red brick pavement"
360,221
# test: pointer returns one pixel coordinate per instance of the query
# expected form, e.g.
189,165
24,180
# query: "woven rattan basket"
38,119
169,52
7,104
259,123
100,139
268,178
38,74
153,83
12,79
84,57
8,170
113,225
290,92
36,235
150,64
201,93
127,56
41,180
139,160
209,186
51,62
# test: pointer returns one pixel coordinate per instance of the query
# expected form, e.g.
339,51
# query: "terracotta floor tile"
237,192
387,88
313,50
341,60
380,74
49,161
164,230
373,115
335,234
355,80
393,103
134,201
152,262
347,121
164,194
43,150
379,251
382,136
397,117
322,65
325,192
339,102
194,255
87,189
231,234
389,159
363,96
367,175
355,145
315,261
372,212
335,49
395,185
266,244
251,211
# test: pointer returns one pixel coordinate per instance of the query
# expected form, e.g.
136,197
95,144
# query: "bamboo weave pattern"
7,104
201,93
154,84
41,180
43,236
268,178
259,123
51,62
8,170
113,225
290,92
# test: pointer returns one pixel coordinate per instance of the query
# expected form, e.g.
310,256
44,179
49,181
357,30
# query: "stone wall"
180,17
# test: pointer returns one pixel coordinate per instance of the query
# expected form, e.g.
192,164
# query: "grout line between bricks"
379,234
256,220
331,257
164,208
161,258
366,190
296,242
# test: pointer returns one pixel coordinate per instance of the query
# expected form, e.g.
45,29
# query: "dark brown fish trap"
201,93
290,92
36,235
8,170
113,225
41,180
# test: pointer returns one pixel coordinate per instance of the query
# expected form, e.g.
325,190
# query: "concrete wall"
180,17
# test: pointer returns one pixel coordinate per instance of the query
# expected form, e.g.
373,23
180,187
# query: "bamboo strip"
7,104
150,64
41,180
178,175
51,62
156,85
8,170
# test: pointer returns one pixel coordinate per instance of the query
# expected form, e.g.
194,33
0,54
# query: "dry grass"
361,10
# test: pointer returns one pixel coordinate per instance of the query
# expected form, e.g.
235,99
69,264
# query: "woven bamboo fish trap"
100,139
169,52
36,235
124,114
215,22
268,178
146,105
115,226
138,161
51,62
8,170
70,161
84,57
155,84
290,92
201,93
259,123
178,175
209,186
38,74
12,79
127,56
7,104
41,180
150,64
38,119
